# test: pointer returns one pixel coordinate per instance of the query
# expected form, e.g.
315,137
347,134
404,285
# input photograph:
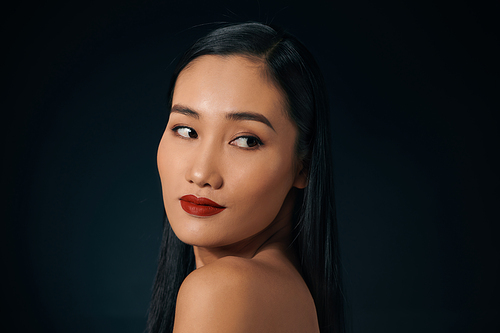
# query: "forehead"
229,83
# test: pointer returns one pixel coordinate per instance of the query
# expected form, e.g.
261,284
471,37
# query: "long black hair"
314,234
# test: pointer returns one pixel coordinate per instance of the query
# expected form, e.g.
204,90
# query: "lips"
200,206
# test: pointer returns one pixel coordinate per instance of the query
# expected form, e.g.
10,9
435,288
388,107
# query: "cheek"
265,175
168,165
263,182
162,159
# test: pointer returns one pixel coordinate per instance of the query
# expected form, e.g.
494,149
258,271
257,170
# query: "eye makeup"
185,132
247,142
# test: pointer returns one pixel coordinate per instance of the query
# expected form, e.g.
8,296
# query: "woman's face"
227,140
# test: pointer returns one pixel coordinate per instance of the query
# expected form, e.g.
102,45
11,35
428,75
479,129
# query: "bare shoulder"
244,295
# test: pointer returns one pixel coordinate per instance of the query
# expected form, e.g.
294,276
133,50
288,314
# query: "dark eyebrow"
185,111
231,116
249,116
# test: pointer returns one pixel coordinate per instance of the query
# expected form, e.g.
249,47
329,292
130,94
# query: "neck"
276,236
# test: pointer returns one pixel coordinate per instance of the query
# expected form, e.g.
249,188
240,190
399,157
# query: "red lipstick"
200,206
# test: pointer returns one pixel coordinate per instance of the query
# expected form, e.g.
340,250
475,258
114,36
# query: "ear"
301,180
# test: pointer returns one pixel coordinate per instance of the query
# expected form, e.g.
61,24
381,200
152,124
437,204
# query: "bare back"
262,294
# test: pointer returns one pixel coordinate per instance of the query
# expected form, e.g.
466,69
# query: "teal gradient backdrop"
413,88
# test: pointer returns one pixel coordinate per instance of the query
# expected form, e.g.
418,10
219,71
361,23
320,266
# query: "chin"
198,232
208,236
202,240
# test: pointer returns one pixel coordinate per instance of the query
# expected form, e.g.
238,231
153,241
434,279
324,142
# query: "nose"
205,169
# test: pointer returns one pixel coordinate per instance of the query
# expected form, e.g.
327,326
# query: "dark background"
413,87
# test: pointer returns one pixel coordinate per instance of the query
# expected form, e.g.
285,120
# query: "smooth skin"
229,139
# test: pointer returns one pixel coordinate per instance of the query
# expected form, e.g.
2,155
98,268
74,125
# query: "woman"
250,240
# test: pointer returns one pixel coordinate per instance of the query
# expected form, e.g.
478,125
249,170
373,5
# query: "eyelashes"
247,141
185,132
243,141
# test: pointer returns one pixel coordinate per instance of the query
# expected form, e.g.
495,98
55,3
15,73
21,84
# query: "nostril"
204,172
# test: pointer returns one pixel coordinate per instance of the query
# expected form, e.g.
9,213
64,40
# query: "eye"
247,142
185,132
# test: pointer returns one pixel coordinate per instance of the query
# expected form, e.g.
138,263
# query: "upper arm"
221,298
